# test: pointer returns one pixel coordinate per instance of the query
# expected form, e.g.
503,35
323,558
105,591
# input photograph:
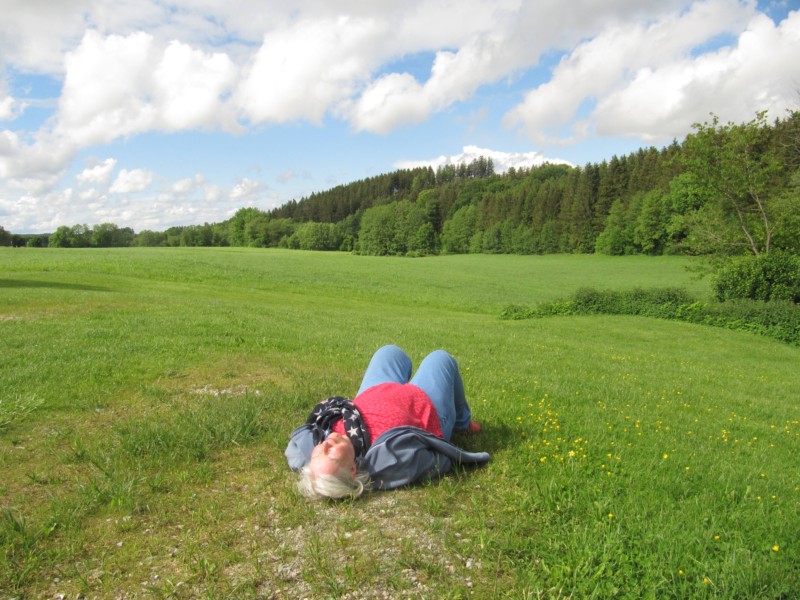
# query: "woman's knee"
390,351
389,363
442,359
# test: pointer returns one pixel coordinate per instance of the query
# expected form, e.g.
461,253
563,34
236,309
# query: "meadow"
147,395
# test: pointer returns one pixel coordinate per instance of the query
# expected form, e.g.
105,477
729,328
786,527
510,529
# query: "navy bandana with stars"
327,412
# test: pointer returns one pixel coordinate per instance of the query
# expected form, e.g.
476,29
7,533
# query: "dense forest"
727,189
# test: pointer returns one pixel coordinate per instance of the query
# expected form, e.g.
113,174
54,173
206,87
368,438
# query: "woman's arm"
298,452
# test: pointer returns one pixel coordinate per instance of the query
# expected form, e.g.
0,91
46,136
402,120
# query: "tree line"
727,189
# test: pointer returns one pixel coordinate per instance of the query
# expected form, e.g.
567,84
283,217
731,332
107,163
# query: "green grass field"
146,397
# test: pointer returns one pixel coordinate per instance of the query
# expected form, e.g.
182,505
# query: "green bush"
779,319
772,276
659,302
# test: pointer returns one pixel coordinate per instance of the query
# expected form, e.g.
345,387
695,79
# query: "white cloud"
129,203
90,195
391,101
129,182
183,187
38,212
301,71
9,146
190,84
7,111
759,72
502,39
646,81
118,86
313,60
105,87
34,34
44,157
397,99
212,193
502,161
98,174
145,65
246,188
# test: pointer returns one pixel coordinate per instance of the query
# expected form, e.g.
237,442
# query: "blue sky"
154,113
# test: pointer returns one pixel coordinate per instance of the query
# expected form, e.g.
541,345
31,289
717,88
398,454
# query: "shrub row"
779,319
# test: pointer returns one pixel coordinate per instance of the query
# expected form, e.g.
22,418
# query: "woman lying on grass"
395,432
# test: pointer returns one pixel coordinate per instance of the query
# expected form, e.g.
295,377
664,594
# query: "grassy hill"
146,397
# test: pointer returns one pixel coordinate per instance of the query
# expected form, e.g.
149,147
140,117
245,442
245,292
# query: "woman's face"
332,455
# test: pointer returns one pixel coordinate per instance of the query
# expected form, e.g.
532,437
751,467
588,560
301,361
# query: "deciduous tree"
738,167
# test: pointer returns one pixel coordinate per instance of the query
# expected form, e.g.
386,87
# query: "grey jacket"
401,456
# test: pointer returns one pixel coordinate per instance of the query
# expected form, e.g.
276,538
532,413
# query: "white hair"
332,486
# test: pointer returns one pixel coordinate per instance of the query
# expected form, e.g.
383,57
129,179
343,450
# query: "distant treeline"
729,189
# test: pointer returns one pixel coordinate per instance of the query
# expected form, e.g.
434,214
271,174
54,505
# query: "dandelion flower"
776,548
666,456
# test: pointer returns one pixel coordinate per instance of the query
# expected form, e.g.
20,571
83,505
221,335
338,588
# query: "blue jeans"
437,376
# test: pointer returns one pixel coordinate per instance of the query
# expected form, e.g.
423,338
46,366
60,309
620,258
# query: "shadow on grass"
25,283
491,438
